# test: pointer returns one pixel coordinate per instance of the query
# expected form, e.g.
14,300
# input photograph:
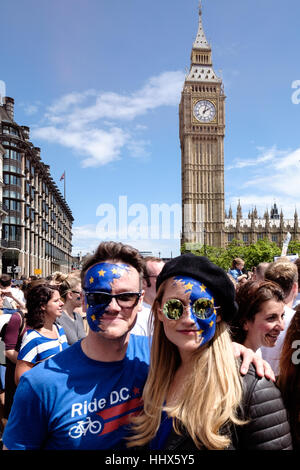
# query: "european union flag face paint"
99,278
201,308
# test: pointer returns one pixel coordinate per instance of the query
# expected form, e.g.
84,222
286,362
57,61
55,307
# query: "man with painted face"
83,397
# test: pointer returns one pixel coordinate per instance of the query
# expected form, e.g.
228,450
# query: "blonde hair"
68,283
57,278
210,397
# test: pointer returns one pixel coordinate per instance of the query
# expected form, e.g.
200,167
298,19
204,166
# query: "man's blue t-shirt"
72,402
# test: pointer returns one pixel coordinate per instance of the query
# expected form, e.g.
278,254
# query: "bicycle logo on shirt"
83,427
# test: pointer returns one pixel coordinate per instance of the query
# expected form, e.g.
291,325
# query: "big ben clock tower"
202,130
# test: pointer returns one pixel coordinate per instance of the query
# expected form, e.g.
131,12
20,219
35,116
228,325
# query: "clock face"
204,111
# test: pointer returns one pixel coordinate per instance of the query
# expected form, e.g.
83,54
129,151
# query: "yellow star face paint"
200,305
99,278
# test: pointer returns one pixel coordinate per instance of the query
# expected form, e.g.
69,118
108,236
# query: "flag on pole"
285,244
62,176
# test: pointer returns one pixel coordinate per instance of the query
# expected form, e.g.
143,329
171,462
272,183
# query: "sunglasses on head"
124,300
202,308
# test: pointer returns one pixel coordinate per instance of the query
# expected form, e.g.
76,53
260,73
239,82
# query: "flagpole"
63,177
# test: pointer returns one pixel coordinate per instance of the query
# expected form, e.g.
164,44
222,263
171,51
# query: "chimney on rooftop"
10,107
26,132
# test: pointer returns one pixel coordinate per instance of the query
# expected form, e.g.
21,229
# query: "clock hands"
204,111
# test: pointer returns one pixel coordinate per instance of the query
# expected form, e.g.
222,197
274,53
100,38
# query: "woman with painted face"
261,314
194,397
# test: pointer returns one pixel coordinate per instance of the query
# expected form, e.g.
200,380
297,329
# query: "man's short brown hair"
116,251
5,280
285,273
297,264
146,272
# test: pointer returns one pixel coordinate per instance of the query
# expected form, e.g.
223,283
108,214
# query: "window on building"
12,204
11,232
12,179
275,238
12,168
230,237
245,237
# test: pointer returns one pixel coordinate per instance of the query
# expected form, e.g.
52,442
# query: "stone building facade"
272,226
36,221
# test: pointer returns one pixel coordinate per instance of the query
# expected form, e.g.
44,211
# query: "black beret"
212,276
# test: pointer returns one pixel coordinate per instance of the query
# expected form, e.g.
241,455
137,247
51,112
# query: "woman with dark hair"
44,337
289,376
261,314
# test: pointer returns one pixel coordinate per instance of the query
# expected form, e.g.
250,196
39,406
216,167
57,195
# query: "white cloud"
137,148
266,155
30,108
95,146
76,120
275,178
63,104
281,174
163,90
86,240
84,232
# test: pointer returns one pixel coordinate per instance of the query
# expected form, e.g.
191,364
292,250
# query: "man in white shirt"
13,297
153,267
297,299
284,273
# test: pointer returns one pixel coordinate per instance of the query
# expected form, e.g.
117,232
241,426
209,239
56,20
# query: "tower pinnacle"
200,41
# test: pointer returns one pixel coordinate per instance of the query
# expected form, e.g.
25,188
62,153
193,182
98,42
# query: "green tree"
261,251
294,247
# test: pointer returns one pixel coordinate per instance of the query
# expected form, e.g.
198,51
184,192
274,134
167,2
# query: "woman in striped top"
44,337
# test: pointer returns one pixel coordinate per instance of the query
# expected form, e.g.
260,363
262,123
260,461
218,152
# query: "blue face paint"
99,278
197,290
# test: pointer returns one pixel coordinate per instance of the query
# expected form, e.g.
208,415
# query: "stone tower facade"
202,130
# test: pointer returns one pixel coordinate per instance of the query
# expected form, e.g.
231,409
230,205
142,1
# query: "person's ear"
160,314
245,326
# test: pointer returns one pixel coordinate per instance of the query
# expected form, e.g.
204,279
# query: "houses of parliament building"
202,131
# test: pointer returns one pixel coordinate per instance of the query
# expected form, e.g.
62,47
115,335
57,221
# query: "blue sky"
99,82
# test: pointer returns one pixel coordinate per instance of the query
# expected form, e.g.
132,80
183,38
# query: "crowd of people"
134,353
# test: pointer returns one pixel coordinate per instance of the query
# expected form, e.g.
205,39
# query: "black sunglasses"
124,300
202,308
